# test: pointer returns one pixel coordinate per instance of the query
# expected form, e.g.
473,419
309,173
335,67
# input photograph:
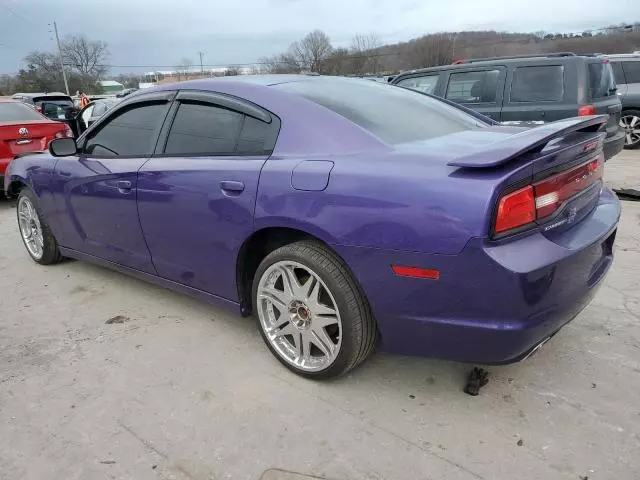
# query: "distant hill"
366,56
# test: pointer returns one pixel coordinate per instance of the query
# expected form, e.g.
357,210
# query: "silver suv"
626,69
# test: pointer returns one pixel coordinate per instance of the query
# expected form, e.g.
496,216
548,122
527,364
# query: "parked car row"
339,210
626,69
528,90
29,121
24,129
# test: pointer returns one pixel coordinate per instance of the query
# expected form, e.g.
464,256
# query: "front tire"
34,230
312,314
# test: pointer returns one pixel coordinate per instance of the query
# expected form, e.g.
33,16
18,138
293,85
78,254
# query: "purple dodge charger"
337,211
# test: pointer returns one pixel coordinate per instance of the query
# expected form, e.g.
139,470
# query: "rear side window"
543,83
618,73
204,129
601,81
473,87
129,133
631,71
426,84
17,112
99,109
394,115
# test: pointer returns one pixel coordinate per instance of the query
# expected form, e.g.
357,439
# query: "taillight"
586,110
553,191
543,198
516,209
67,132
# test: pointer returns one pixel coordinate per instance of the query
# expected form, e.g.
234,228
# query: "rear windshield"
601,81
393,114
17,112
543,83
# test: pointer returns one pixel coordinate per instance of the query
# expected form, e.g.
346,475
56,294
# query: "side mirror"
63,147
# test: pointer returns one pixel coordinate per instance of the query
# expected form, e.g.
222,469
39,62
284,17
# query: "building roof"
110,83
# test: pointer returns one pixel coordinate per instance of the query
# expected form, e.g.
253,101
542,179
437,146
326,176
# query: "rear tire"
630,122
312,314
36,235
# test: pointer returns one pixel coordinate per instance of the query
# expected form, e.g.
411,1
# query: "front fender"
34,171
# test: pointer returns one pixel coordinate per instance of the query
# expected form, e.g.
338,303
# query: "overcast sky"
159,33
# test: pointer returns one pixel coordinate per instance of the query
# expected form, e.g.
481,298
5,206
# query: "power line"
19,15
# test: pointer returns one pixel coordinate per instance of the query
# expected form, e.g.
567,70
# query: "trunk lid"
529,143
27,136
550,176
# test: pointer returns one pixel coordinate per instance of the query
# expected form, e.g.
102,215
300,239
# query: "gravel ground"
180,390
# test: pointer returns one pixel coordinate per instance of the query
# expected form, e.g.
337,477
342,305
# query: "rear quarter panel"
399,201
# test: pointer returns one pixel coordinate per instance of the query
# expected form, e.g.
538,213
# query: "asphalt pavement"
175,389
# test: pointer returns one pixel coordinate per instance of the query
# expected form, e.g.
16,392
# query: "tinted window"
131,133
425,84
601,81
395,115
203,129
473,87
17,112
631,71
543,83
618,73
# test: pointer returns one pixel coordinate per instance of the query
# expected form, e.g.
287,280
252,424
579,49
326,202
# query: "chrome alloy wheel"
30,228
299,316
631,126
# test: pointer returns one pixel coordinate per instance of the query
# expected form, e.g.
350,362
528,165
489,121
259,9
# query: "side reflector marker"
416,272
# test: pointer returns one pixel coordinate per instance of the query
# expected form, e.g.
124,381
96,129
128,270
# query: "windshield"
17,112
393,114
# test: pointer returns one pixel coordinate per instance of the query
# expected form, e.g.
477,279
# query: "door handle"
124,186
232,186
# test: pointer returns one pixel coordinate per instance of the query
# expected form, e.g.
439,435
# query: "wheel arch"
16,184
257,246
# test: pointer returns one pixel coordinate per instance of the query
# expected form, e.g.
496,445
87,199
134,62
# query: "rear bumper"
492,303
613,144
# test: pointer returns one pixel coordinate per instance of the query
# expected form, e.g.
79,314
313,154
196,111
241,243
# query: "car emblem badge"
23,132
572,215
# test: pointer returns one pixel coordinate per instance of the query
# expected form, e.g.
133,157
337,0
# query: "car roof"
44,94
541,59
623,56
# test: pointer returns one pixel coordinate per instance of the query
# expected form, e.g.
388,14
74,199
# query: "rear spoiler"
527,142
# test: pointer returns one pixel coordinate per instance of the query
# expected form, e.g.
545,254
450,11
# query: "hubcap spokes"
631,126
30,228
299,316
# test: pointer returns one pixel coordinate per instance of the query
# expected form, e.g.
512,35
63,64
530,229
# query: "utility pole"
64,74
201,66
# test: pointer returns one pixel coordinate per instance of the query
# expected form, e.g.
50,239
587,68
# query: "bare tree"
182,69
282,63
88,57
364,53
312,50
339,62
232,71
430,50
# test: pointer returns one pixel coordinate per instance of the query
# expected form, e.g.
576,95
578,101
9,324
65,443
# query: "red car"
23,129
